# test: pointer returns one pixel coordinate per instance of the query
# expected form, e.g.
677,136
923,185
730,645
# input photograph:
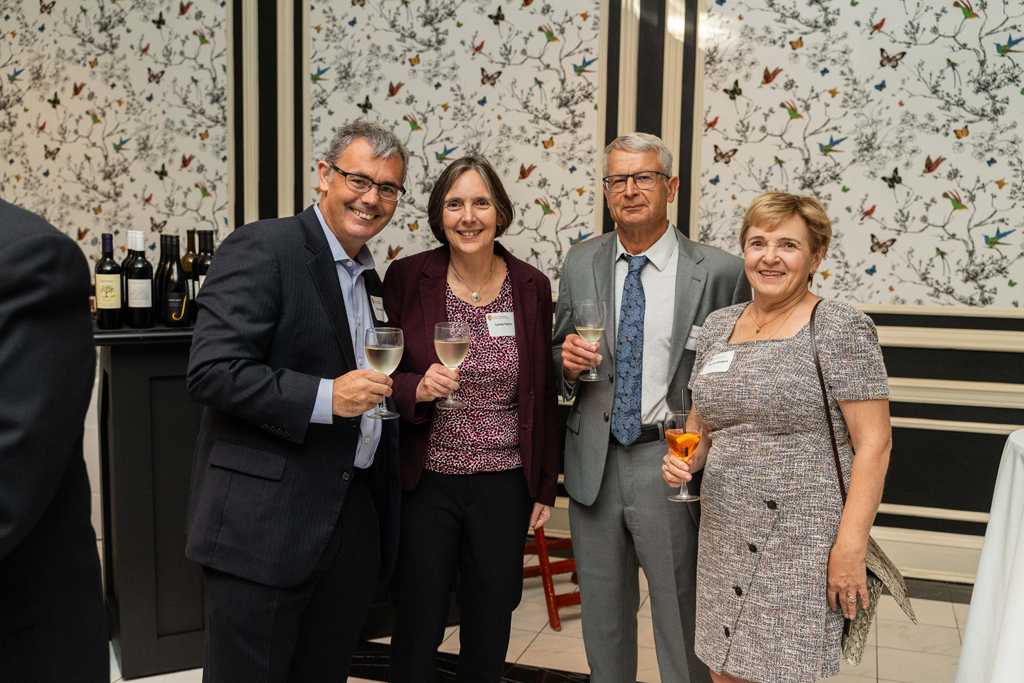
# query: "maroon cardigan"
414,298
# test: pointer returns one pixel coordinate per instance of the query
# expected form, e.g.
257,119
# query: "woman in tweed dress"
781,561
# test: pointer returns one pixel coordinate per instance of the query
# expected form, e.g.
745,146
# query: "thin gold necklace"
758,326
772,335
475,296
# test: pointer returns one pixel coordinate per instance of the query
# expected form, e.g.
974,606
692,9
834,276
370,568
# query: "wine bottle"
108,288
201,266
158,280
175,287
140,287
124,275
186,264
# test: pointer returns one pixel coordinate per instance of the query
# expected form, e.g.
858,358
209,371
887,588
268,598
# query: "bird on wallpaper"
579,237
145,49
831,146
43,127
147,200
162,173
201,186
790,108
546,207
524,171
526,3
930,166
186,160
782,170
943,254
540,86
877,27
441,156
77,88
319,75
184,7
393,89
479,48
159,22
954,198
956,74
711,125
119,146
548,32
412,122
365,106
734,91
869,213
201,35
535,255
93,115
992,242
581,69
966,8
13,77
769,76
1004,50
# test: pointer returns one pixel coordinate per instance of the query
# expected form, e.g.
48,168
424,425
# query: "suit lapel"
523,290
373,289
325,274
604,285
690,280
432,296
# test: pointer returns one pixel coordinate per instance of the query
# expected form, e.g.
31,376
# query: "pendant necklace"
757,326
475,296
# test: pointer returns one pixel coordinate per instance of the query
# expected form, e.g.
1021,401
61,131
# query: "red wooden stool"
547,569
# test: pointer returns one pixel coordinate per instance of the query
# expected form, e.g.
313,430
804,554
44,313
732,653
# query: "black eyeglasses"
644,180
362,184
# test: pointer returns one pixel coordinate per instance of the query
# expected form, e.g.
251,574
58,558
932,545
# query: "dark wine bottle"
186,264
108,288
124,275
140,287
158,280
175,287
201,266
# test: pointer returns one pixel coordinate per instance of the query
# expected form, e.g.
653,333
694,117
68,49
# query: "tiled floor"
899,652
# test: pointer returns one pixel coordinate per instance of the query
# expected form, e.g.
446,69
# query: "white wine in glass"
588,316
451,341
384,348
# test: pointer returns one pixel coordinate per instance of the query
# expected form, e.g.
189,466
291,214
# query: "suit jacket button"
286,434
611,378
606,417
266,427
771,504
739,591
346,476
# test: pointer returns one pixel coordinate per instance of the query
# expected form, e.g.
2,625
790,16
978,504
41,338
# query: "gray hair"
639,142
384,142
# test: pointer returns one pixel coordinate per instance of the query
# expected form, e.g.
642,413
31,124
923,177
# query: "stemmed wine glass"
451,341
682,441
384,347
588,316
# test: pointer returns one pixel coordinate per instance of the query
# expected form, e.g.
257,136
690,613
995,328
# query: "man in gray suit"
619,511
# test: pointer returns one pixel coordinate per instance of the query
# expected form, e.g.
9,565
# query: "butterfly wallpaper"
515,81
113,116
903,118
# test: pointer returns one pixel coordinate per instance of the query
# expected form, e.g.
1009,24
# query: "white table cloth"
993,647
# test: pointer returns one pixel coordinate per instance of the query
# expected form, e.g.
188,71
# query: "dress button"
739,591
286,434
346,476
726,631
771,504
752,547
606,417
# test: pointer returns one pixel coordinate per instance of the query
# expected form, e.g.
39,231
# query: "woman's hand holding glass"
438,382
677,472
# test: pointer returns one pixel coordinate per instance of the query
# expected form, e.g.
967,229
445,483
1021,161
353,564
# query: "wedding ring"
665,467
851,598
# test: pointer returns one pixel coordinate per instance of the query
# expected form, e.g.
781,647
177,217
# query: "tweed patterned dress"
770,502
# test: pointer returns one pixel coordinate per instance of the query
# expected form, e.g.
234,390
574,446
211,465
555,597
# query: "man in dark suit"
294,506
52,624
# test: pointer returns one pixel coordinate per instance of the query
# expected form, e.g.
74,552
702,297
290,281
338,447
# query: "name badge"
501,324
691,342
378,308
720,362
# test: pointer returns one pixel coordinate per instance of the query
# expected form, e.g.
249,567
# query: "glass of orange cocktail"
682,441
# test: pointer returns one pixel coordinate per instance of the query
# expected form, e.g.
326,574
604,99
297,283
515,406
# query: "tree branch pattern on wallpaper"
514,81
902,117
113,115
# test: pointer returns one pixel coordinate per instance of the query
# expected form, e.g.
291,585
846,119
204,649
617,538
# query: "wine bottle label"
191,288
140,293
202,279
174,306
108,291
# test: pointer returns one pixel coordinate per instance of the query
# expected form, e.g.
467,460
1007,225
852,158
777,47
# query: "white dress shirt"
659,281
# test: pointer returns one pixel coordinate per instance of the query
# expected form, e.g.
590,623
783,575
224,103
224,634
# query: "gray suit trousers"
632,524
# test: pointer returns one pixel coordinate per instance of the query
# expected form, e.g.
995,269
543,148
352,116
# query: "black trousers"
307,633
475,523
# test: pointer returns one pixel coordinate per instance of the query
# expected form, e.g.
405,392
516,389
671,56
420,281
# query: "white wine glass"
451,341
589,316
384,347
682,441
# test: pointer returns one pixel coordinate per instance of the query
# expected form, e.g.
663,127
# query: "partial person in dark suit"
295,494
52,624
473,477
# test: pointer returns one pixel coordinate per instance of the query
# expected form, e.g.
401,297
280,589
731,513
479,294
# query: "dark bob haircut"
472,162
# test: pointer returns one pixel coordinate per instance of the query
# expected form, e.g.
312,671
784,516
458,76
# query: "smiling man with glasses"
294,505
619,511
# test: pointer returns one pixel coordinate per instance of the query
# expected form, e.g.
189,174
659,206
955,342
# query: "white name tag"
719,362
378,308
501,324
691,343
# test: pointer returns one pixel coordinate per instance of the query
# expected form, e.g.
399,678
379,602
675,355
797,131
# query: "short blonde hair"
771,208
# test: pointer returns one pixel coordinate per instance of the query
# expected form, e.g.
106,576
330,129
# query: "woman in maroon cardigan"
474,478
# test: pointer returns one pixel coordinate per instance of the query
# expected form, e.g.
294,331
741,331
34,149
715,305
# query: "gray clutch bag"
880,569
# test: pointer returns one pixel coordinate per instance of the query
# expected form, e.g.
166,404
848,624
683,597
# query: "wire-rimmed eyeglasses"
644,180
362,184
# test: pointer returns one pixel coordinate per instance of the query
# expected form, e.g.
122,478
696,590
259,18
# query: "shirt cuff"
323,413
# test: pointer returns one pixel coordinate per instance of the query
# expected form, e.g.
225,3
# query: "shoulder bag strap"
828,411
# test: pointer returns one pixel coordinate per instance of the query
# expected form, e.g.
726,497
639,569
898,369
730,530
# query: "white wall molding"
933,555
602,100
933,513
286,108
250,109
672,90
963,311
629,45
698,116
953,426
951,339
955,393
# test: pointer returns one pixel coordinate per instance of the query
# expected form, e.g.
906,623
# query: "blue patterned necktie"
629,355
